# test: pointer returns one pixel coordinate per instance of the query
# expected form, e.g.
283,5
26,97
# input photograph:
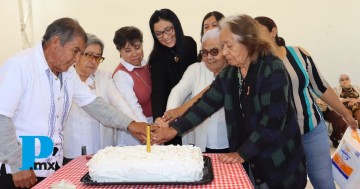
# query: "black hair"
218,16
128,34
170,16
270,24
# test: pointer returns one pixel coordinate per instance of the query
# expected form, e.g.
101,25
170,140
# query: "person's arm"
211,101
325,92
12,86
337,91
116,99
11,153
173,114
124,85
176,105
183,90
109,116
334,102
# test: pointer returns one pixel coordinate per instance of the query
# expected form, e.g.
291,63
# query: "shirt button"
252,165
59,98
258,180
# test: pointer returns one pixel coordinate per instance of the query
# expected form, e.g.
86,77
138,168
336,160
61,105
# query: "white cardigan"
212,132
97,136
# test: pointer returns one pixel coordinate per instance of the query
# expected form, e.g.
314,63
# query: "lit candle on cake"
148,145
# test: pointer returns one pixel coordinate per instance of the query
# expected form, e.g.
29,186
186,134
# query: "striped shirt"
305,79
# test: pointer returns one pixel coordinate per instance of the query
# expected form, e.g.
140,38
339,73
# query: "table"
225,176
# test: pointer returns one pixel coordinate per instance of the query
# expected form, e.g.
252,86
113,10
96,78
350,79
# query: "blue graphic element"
28,150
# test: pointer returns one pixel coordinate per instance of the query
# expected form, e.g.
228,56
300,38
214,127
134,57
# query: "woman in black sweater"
171,55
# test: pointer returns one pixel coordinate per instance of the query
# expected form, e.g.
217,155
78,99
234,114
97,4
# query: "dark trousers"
6,179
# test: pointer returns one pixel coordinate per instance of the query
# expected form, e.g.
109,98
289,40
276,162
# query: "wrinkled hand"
233,157
159,135
24,179
161,122
172,114
138,130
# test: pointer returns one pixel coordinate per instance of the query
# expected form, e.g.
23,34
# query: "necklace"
240,86
142,79
176,57
241,80
91,82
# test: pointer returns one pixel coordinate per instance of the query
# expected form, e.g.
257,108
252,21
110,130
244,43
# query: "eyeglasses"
90,57
213,52
344,79
168,30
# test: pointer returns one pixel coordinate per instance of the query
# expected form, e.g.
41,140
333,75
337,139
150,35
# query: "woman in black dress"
171,55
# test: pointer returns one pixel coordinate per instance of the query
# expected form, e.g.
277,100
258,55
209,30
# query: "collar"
129,67
40,58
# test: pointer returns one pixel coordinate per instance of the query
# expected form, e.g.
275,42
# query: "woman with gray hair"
260,120
210,135
349,95
83,134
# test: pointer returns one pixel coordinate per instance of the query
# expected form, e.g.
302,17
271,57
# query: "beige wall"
329,30
10,35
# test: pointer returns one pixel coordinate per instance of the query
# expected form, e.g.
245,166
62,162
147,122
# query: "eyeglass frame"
168,30
91,56
213,52
345,79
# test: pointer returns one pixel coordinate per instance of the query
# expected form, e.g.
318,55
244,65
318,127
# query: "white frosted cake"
134,164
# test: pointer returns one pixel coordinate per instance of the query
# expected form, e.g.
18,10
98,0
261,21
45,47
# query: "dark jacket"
166,73
262,128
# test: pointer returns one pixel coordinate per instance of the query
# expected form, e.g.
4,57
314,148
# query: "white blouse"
212,132
125,84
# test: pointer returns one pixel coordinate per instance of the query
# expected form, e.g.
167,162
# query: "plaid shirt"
261,121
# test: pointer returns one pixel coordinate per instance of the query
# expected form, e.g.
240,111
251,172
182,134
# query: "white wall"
10,35
328,29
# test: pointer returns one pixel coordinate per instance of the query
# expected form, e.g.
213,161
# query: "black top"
166,73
